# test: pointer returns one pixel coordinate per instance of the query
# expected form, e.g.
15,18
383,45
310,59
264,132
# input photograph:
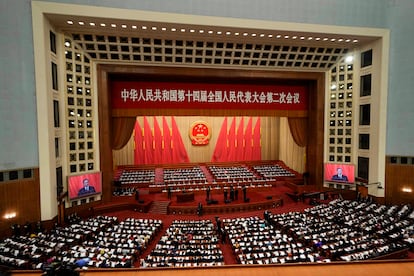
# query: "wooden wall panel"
378,268
399,178
22,197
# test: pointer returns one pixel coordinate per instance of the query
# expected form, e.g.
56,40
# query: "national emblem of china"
200,133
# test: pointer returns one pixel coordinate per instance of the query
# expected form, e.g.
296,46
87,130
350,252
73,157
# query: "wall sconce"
9,215
407,190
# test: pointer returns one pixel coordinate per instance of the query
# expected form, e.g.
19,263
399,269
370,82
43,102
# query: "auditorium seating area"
186,243
346,230
101,241
196,177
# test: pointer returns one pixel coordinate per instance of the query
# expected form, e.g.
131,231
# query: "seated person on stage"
339,176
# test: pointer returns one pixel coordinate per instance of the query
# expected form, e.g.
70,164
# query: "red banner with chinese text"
140,94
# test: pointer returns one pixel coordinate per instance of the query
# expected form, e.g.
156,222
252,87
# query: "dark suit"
340,178
85,191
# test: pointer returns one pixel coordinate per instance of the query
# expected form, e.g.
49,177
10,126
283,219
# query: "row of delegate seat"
186,243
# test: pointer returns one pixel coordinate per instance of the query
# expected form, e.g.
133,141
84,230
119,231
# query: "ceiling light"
348,40
341,39
253,35
163,29
201,31
333,39
70,22
154,28
192,31
67,43
270,35
123,26
349,59
302,37
236,33
183,30
144,27
81,23
228,33
113,25
173,29
262,35
355,40
278,36
133,27
219,32
310,38
245,34
286,36
333,86
92,24
325,39
318,38
103,24
210,31
294,37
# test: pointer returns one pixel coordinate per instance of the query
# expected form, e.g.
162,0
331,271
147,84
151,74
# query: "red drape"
220,151
122,128
248,141
231,141
257,147
148,146
298,129
138,140
167,153
179,151
157,143
240,141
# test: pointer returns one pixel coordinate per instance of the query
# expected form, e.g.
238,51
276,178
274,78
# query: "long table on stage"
185,197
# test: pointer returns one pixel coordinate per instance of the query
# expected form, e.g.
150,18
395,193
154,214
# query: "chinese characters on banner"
137,94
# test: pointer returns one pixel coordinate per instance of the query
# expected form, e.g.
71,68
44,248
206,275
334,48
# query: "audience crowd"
186,243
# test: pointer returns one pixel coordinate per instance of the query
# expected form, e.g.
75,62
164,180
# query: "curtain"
220,151
298,129
122,128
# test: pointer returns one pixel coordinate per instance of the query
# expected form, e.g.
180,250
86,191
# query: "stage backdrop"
275,137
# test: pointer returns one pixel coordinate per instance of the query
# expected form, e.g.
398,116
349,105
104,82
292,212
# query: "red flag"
231,138
148,147
179,151
257,147
138,150
248,141
158,139
220,151
240,141
167,153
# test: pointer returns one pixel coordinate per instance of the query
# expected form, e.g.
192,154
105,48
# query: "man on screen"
339,176
86,189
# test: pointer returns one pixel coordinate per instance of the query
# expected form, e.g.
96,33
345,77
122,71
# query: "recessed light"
173,29
153,28
228,33
201,31
253,35
123,26
219,32
348,40
325,39
70,22
317,38
91,24
355,40
236,33
67,44
302,37
245,34
333,39
192,31
133,27
349,59
183,30
286,36
81,23
210,31
262,35
294,37
113,25
310,38
102,24
341,39
163,29
270,35
278,36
